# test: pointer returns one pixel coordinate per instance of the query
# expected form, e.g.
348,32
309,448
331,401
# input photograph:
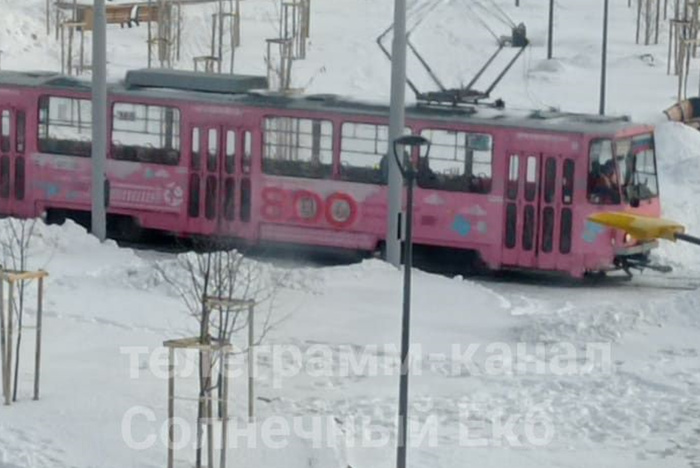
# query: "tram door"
538,214
521,210
12,163
556,216
220,180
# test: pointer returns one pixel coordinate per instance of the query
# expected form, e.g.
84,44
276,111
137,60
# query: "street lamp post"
604,59
99,119
408,172
397,119
550,35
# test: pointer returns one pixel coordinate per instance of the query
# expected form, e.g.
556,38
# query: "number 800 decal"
338,209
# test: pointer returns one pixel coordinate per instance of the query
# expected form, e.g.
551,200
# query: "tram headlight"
628,238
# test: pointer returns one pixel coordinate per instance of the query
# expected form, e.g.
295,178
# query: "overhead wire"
422,11
504,16
419,10
475,16
499,15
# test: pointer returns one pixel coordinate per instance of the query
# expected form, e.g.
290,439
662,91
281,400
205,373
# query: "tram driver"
606,187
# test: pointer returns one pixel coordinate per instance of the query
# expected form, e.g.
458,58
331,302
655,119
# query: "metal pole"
99,119
63,50
647,22
670,43
238,23
658,20
150,33
396,125
604,59
69,57
82,51
209,412
251,364
688,238
179,31
171,407
551,29
8,343
37,354
3,352
639,19
224,415
699,85
221,35
405,323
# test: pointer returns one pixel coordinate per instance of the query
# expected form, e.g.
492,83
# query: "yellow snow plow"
644,228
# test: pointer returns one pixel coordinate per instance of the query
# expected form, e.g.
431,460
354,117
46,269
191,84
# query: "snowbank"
678,159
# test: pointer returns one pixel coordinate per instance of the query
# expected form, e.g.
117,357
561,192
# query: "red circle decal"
307,206
341,210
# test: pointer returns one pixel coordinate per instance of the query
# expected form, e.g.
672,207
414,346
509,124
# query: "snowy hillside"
508,373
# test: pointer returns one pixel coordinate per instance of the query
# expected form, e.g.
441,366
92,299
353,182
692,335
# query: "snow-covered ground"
506,373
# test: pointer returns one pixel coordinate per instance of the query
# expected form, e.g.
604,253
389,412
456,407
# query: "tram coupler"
627,264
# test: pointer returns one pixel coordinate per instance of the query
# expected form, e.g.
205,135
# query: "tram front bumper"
643,249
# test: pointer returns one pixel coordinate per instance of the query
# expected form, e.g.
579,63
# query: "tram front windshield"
636,163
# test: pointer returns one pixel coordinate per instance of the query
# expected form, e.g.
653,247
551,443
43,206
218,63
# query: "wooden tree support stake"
7,326
208,350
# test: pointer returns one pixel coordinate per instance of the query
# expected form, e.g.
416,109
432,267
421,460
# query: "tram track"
161,247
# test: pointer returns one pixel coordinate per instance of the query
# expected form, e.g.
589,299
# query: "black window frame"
590,196
163,156
62,147
463,182
315,168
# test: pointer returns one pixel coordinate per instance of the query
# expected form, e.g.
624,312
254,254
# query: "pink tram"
202,155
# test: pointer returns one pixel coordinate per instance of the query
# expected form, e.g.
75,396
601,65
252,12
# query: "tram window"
511,225
65,126
363,153
196,150
247,152
212,149
5,134
531,178
298,147
230,151
565,231
458,161
20,127
550,174
645,171
19,178
548,229
5,176
193,206
145,133
603,186
637,165
210,197
230,199
513,174
528,227
567,182
245,200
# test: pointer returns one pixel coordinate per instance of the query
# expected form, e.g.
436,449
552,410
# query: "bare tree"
228,275
15,245
648,19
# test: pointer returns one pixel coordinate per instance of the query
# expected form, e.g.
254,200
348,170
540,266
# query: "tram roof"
191,86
